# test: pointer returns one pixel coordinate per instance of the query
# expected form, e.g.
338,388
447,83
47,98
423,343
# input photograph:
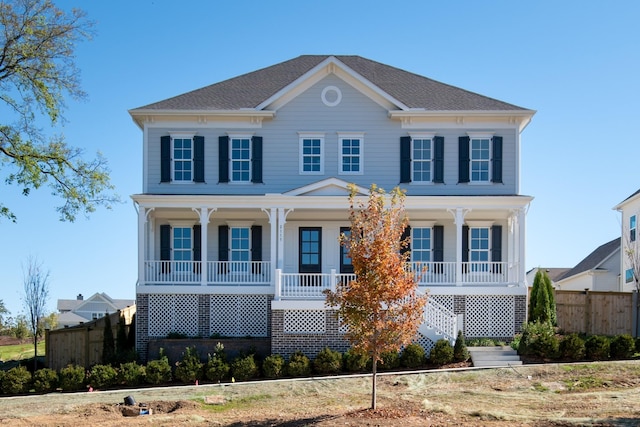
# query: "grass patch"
238,403
20,351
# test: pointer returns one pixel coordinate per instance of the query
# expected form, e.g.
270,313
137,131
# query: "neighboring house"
77,311
245,194
599,271
554,274
629,208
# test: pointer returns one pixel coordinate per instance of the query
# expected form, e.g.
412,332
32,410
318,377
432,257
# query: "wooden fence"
597,313
82,345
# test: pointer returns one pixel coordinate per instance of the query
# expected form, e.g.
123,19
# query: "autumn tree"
36,294
381,308
37,72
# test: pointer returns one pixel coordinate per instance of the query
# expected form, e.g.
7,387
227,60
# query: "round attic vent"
331,96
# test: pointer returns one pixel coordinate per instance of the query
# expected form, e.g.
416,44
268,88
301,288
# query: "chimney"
80,297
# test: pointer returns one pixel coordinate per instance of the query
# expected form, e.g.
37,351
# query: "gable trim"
335,182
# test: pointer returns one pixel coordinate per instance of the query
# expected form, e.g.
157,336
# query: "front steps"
496,356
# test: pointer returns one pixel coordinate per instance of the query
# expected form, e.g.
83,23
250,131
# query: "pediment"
326,187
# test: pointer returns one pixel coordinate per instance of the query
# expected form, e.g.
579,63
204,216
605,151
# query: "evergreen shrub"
131,373
158,371
622,346
274,366
244,368
45,380
16,380
299,365
189,368
102,376
328,361
597,347
217,367
442,353
572,347
390,360
354,361
413,356
460,351
71,378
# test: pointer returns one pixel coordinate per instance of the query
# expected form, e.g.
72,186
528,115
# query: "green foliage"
108,343
2,375
244,368
16,380
299,365
622,346
328,361
542,302
102,376
539,340
389,360
413,356
189,368
442,352
71,378
460,351
572,347
217,367
273,366
130,373
355,361
158,371
597,347
45,380
481,342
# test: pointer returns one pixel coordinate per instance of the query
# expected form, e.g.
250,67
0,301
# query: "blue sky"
575,62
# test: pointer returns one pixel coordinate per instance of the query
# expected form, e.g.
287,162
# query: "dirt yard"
595,394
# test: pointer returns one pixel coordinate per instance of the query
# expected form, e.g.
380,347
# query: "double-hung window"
632,228
421,244
350,153
479,248
422,158
480,158
181,158
182,247
240,248
240,159
311,153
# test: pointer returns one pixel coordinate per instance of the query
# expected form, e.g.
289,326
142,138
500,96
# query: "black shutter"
165,159
198,158
438,159
256,159
438,248
406,236
496,243
197,248
496,173
465,243
256,249
165,247
223,159
463,159
405,159
223,243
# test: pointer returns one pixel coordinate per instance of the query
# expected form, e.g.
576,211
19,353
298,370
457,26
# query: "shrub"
131,373
597,347
328,361
71,378
539,340
45,380
189,368
102,376
354,361
299,365
244,368
217,367
390,360
2,374
442,352
413,356
572,347
16,380
622,346
158,371
460,351
273,366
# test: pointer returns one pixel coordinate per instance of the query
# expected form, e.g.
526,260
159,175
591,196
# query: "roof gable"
326,187
594,259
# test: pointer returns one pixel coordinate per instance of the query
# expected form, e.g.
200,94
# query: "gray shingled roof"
251,89
594,259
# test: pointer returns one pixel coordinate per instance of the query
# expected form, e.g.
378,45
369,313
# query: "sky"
576,63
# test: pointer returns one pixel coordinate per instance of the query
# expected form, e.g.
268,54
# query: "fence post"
587,312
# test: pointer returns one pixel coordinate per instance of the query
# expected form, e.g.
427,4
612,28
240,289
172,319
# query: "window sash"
479,244
182,246
480,159
240,160
311,155
351,155
182,159
632,228
421,159
421,244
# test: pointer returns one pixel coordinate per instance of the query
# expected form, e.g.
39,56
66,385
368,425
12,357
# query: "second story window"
479,156
311,153
182,159
240,160
480,159
632,228
422,158
350,153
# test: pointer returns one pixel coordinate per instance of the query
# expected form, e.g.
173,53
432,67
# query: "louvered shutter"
223,159
165,159
405,159
256,159
198,158
438,159
463,159
496,172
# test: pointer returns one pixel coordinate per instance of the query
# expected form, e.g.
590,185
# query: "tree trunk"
373,384
35,353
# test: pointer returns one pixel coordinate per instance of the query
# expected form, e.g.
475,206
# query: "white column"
142,223
273,230
282,220
458,219
511,247
522,274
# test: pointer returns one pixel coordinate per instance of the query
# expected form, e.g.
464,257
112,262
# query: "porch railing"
217,272
472,273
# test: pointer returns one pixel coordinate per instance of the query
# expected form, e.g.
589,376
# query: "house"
245,194
77,311
599,271
629,209
554,274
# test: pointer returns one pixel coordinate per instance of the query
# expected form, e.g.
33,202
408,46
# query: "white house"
80,310
245,194
598,271
629,209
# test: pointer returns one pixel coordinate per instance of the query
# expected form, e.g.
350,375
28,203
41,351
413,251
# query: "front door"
310,259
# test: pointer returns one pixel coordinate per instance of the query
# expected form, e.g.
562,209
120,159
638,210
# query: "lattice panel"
425,343
489,316
173,313
446,300
305,322
239,315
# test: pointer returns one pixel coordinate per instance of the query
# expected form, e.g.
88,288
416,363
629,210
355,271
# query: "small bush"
217,367
622,347
328,361
102,376
460,351
572,347
189,368
45,380
354,362
390,360
539,340
71,378
273,366
299,365
597,347
158,371
244,368
413,356
16,380
131,373
442,353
